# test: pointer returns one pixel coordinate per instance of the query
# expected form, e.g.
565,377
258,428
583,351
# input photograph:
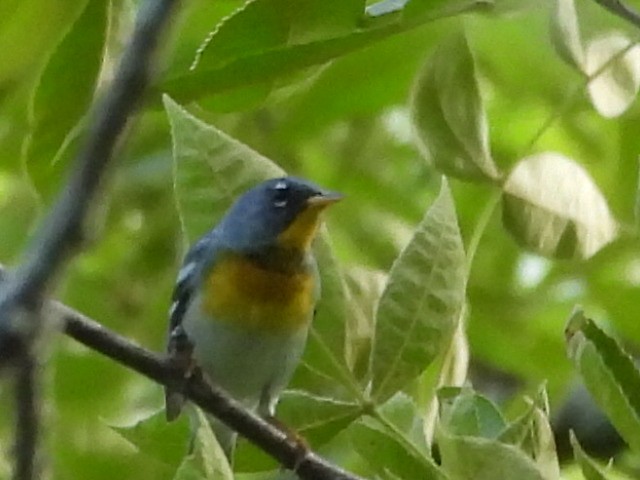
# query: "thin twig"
27,420
621,10
278,444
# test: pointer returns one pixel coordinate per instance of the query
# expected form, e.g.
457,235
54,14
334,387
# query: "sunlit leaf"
448,114
422,300
385,454
565,33
210,170
590,469
552,206
608,373
614,90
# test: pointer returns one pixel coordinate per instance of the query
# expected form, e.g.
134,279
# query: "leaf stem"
573,97
481,227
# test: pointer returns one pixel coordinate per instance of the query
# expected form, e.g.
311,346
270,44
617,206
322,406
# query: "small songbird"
246,295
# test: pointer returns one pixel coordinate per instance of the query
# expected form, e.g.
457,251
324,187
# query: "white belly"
254,367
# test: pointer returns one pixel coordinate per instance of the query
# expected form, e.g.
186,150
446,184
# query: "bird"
246,295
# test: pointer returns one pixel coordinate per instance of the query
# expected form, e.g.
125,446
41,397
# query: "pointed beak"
324,199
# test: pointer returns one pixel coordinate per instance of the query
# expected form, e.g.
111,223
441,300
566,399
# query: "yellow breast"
242,292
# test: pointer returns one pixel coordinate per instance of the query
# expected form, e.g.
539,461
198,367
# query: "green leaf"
465,412
590,469
613,91
565,33
385,454
317,419
364,288
608,373
532,434
210,170
207,461
157,438
65,88
237,60
448,114
474,458
552,206
422,300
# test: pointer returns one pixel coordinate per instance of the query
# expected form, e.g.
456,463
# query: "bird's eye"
281,194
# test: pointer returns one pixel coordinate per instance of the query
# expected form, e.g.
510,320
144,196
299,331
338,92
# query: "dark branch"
621,10
27,466
210,398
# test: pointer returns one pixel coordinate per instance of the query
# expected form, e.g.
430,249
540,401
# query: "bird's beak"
324,199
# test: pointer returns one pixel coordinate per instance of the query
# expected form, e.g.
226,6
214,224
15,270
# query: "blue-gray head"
281,212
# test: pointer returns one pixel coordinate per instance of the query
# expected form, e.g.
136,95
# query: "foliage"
431,116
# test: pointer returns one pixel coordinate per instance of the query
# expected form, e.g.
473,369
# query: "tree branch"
621,10
27,422
210,398
62,233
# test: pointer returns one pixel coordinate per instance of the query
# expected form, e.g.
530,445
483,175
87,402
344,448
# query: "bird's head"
281,212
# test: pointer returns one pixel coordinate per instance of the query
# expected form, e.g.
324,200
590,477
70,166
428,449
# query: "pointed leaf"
422,300
154,436
385,454
614,90
565,33
609,374
532,434
248,63
210,170
552,206
590,469
65,89
317,419
448,115
474,458
465,412
208,451
364,288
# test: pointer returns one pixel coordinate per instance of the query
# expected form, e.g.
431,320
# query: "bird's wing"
179,346
197,258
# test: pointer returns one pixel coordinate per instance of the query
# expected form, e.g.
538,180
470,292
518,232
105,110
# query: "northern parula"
246,294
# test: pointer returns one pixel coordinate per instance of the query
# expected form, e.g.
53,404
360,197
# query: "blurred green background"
343,120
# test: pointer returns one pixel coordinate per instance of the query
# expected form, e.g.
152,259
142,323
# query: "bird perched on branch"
246,294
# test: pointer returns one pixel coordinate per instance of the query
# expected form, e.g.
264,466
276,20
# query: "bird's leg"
180,356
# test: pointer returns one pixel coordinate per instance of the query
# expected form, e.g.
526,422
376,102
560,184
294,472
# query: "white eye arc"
281,193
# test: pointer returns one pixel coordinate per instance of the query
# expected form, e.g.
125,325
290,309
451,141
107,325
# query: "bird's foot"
301,445
180,356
